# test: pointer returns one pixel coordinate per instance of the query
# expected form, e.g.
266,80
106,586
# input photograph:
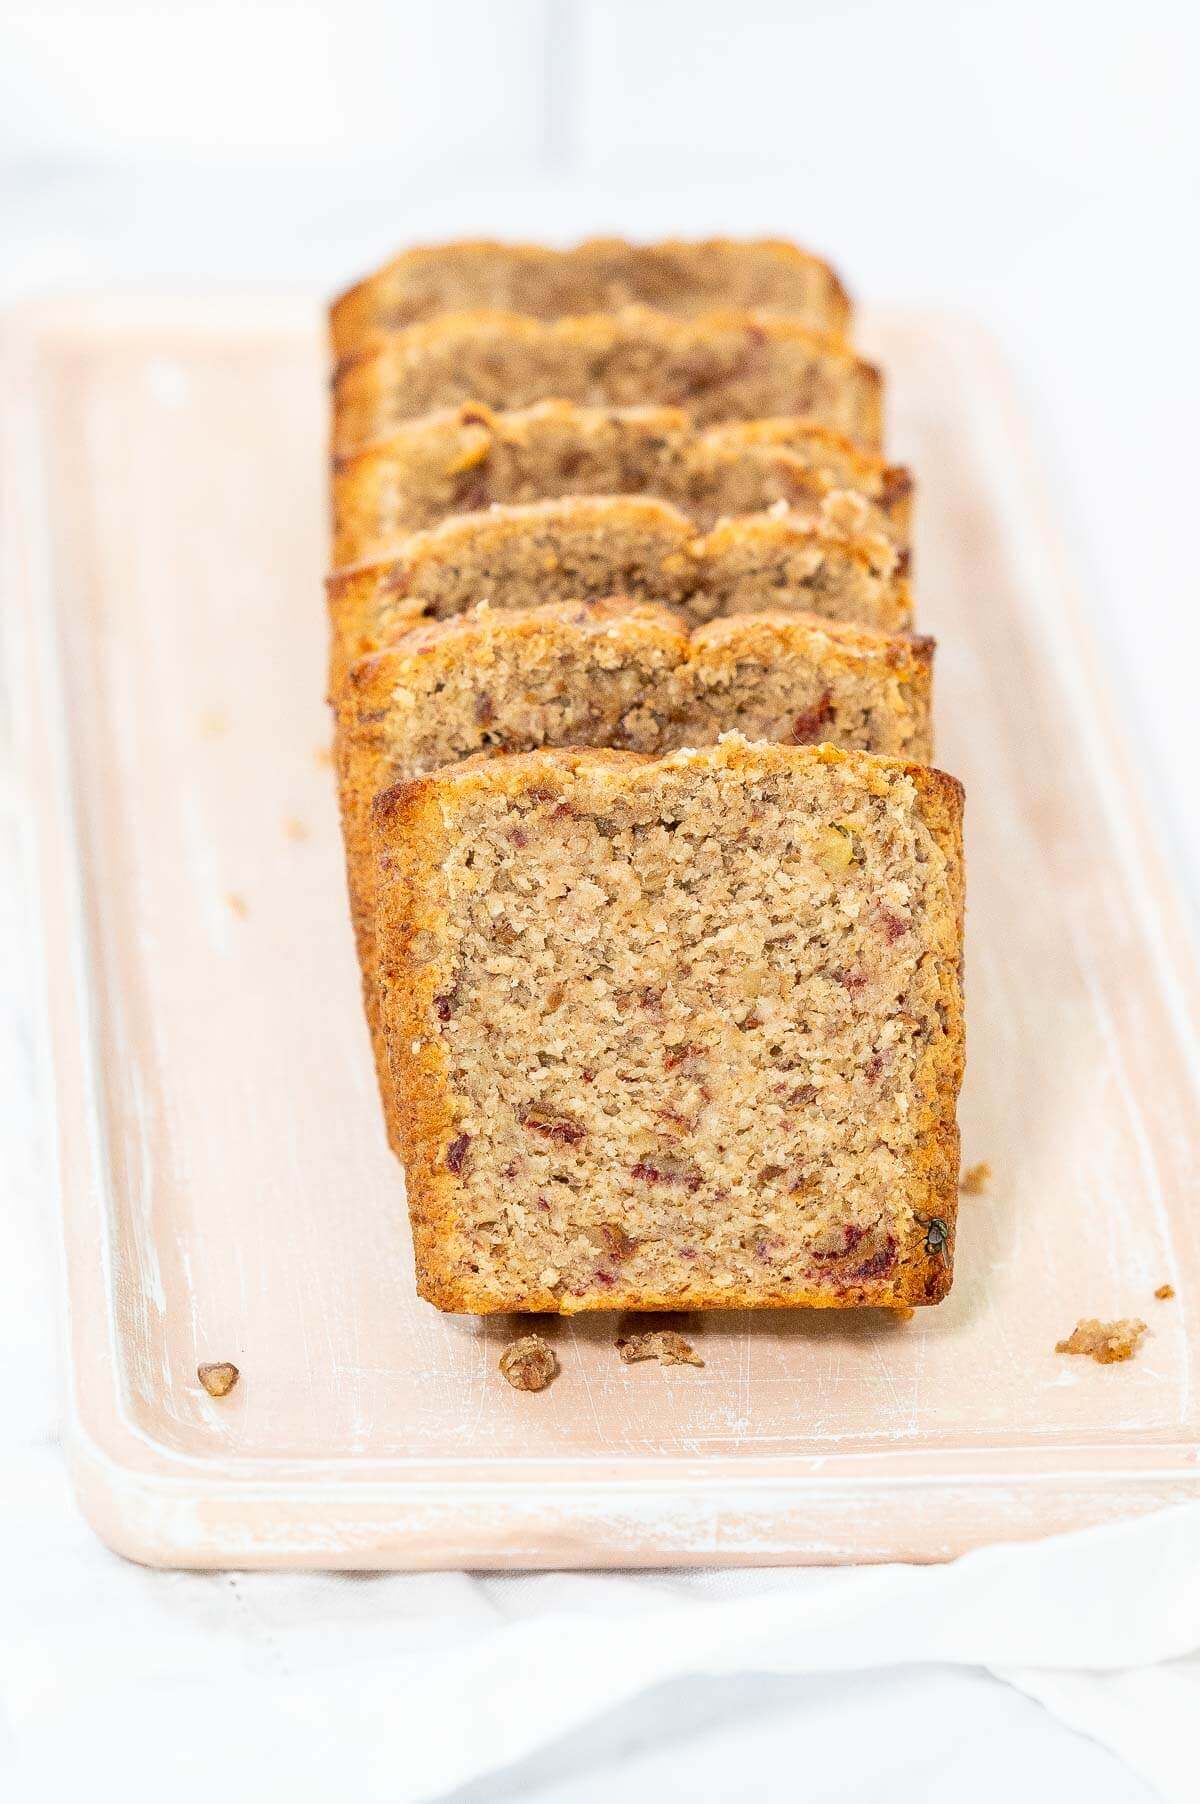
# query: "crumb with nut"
845,511
1105,1342
663,1344
976,1179
529,1364
218,1379
1165,1292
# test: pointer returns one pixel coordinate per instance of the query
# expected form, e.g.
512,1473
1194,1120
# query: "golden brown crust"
844,643
463,459
412,843
588,547
718,366
415,833
674,275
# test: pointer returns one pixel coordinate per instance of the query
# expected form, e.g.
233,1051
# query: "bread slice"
718,366
602,274
607,673
678,1033
468,458
585,549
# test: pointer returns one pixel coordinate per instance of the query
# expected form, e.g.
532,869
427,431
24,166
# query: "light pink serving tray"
225,1188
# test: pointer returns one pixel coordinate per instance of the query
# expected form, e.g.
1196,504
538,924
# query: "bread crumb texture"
466,459
608,674
675,1033
529,1364
1165,1292
1105,1342
594,548
976,1179
726,365
681,276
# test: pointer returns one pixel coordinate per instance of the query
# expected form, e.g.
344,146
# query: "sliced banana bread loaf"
719,366
468,458
588,548
599,275
608,673
677,1033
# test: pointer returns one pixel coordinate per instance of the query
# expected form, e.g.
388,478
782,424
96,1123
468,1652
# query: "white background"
1035,163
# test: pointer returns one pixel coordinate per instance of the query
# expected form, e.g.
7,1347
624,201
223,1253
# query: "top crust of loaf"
676,275
519,425
418,827
624,773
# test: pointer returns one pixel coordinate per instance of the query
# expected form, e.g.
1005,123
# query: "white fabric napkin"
405,1687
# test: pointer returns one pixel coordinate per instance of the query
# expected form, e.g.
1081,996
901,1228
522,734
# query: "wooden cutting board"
226,1193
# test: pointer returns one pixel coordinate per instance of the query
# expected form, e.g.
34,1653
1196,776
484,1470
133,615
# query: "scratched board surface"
228,1192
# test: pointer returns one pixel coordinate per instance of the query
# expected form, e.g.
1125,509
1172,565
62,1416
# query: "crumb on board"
529,1364
663,1344
976,1178
323,756
237,905
293,828
1165,1292
1105,1342
903,1312
218,1379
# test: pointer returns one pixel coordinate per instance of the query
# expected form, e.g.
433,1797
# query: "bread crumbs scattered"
295,829
975,1179
529,1364
237,905
1105,1342
1165,1292
219,1379
668,1348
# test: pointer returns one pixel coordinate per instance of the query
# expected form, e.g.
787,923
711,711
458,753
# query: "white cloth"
403,1688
